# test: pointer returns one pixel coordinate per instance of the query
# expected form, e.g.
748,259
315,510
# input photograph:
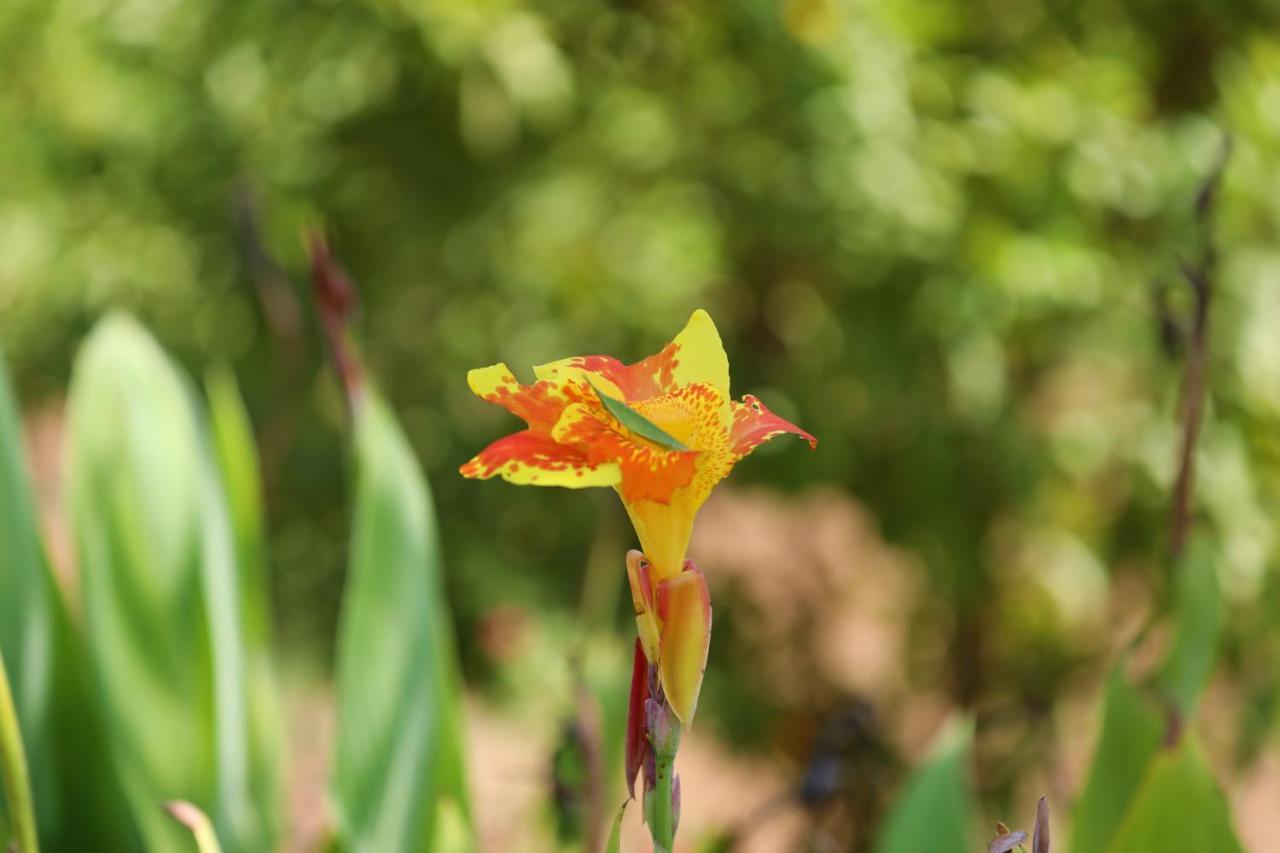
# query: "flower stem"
13,771
664,822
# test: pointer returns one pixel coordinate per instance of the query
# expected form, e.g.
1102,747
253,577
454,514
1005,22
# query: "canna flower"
661,432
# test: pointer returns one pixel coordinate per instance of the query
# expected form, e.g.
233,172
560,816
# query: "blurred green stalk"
13,767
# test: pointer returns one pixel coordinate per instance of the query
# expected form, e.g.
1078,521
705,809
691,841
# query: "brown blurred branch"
1199,276
334,295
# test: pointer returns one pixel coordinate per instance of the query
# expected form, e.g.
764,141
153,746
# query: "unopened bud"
663,726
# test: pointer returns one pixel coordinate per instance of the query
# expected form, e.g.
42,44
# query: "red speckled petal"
527,458
648,472
695,355
753,425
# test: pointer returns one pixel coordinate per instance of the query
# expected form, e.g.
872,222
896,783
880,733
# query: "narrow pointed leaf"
252,712
1178,807
614,844
398,776
935,811
1131,733
638,423
1197,623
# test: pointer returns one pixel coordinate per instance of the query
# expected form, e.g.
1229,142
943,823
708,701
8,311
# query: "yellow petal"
487,382
642,600
664,530
700,355
684,605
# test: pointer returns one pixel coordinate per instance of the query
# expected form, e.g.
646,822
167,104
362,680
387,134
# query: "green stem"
662,823
13,770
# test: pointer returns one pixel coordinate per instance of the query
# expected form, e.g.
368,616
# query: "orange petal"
641,580
527,458
539,404
648,472
695,355
684,606
753,425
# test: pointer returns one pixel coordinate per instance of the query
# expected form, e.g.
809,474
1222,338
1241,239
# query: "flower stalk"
13,770
661,432
662,785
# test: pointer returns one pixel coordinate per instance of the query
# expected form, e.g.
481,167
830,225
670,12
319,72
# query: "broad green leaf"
935,811
135,509
1197,622
398,779
1131,733
77,805
638,423
158,562
1179,807
253,711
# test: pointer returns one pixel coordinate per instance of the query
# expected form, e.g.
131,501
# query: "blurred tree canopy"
933,233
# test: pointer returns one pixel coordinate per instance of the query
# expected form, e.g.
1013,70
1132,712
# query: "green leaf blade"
1131,734
1179,807
935,810
399,780
160,578
638,423
1197,625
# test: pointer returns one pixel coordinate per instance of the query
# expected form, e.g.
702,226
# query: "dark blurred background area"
944,237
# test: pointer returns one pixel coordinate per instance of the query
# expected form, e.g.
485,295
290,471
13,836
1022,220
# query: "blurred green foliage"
931,233
928,231
164,690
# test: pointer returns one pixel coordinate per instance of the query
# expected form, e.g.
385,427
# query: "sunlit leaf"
248,731
157,557
1178,807
398,772
1131,733
935,810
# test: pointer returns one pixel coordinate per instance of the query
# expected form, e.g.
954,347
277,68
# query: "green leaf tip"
638,423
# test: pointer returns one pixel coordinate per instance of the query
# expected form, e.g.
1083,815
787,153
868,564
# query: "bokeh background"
943,236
